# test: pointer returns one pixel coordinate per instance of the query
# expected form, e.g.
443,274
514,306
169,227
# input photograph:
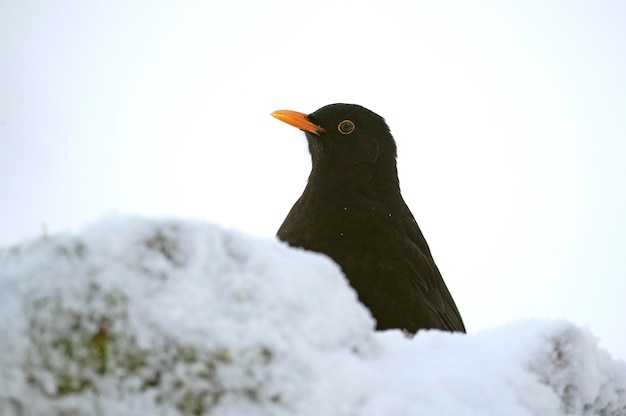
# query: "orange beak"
298,120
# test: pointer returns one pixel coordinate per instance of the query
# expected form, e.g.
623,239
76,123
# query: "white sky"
510,119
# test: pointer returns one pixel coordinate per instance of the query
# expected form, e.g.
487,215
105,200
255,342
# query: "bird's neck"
379,180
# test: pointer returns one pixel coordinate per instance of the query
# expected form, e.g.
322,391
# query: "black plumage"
352,211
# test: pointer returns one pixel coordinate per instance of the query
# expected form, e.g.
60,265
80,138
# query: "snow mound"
146,317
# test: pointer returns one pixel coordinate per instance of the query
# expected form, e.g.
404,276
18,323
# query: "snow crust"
175,317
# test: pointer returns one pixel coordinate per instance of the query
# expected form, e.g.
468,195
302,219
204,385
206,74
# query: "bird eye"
346,127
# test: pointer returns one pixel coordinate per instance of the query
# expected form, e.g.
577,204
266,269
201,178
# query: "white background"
510,119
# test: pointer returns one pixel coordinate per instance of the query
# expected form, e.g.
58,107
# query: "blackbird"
352,211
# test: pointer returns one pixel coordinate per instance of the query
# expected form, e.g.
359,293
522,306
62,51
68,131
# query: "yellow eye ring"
346,127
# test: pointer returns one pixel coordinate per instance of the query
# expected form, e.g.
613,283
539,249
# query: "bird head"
344,137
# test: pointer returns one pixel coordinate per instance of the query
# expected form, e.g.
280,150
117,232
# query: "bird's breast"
341,224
